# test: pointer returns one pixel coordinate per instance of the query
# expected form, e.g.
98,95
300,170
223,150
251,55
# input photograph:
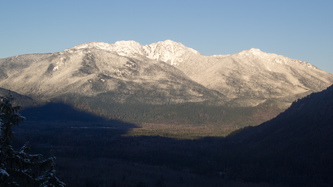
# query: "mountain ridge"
161,73
188,62
170,50
133,48
87,73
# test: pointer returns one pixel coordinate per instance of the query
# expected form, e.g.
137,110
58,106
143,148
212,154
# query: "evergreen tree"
18,168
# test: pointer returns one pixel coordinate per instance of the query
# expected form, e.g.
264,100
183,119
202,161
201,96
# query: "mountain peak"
122,48
252,74
168,51
253,51
176,53
128,43
94,45
127,48
170,42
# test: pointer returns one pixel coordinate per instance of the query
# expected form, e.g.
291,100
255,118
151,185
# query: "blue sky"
298,29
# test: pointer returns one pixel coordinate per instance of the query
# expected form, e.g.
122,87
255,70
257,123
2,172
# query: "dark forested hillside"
310,117
293,149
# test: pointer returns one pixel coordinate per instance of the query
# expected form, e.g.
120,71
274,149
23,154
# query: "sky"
298,29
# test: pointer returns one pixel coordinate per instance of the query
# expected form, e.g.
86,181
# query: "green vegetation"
195,114
184,120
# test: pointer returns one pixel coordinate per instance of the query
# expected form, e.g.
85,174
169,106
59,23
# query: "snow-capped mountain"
255,75
162,72
97,68
122,48
167,51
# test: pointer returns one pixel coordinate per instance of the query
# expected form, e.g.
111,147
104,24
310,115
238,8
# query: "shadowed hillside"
298,144
58,112
293,149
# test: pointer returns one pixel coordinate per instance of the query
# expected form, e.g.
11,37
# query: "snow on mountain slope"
122,48
165,68
93,69
167,51
272,58
255,76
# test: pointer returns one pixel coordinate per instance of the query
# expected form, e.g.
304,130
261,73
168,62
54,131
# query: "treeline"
183,113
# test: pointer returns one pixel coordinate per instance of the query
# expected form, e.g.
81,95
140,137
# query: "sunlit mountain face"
100,77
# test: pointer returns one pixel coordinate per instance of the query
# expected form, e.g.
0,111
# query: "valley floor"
114,154
181,131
